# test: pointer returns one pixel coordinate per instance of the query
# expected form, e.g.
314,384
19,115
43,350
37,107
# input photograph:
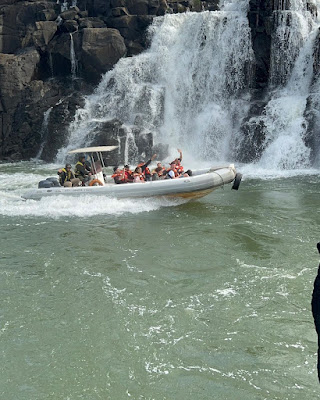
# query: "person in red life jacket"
159,172
179,167
119,175
144,167
128,174
138,176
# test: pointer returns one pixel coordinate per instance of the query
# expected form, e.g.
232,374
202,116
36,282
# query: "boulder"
44,33
163,7
16,72
69,14
131,27
91,22
69,25
101,49
47,15
143,7
119,11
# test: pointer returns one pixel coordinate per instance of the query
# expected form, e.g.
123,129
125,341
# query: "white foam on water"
13,205
255,171
13,183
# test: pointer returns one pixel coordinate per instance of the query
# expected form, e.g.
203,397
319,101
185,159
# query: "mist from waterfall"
191,88
291,77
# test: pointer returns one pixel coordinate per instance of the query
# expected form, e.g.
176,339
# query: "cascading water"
285,125
44,132
73,59
191,88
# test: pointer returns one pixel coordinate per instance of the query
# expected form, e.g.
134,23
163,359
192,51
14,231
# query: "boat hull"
190,188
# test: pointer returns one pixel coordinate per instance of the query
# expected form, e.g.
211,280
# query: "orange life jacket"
128,175
179,169
146,171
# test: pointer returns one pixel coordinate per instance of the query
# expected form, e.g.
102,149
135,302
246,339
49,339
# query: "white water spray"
191,88
285,126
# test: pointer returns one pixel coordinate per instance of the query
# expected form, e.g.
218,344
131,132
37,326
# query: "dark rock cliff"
50,56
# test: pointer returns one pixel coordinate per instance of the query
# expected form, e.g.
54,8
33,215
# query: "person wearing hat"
67,178
82,170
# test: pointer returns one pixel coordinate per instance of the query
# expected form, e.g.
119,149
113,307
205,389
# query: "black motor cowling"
54,181
45,184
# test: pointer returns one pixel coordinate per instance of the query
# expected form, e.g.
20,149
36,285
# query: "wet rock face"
101,49
260,20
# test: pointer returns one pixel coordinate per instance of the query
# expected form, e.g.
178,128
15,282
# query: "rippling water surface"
152,299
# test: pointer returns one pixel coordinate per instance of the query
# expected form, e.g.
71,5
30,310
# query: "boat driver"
82,170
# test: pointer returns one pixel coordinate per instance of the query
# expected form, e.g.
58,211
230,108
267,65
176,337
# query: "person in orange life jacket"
144,167
172,172
179,167
138,175
118,175
128,174
67,178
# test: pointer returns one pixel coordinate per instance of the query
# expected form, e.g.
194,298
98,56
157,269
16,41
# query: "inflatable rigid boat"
200,184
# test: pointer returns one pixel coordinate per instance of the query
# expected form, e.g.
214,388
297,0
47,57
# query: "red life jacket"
118,175
128,176
146,172
179,169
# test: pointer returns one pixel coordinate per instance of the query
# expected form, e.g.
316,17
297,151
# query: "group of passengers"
80,176
142,173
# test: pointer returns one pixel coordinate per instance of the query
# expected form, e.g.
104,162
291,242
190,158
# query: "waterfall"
73,59
131,149
191,88
44,132
285,125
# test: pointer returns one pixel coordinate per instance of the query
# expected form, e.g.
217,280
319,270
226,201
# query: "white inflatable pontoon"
201,183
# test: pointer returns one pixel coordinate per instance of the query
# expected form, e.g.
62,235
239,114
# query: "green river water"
150,299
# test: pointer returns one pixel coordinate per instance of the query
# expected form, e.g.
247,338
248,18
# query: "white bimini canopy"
93,149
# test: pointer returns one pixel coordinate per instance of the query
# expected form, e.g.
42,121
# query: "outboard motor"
54,181
237,181
45,184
